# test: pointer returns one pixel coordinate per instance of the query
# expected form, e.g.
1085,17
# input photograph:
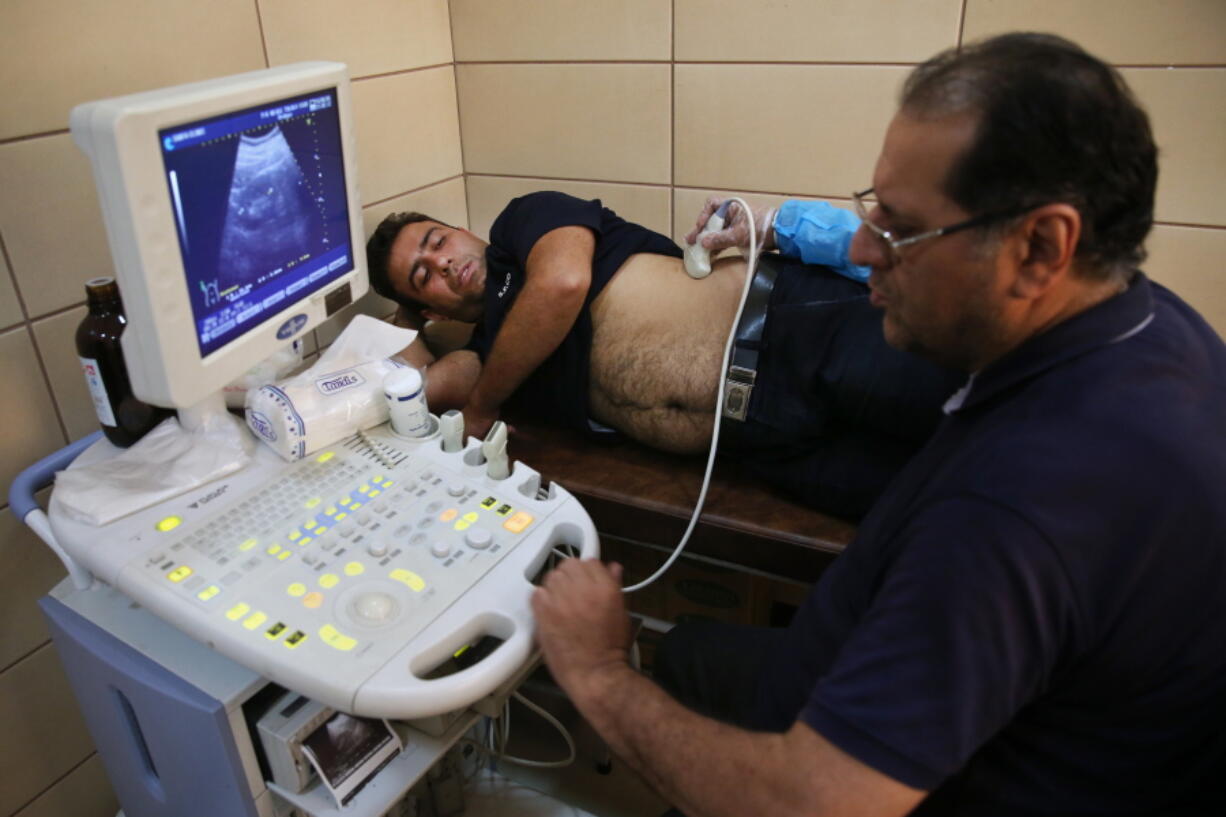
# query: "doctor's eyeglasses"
892,244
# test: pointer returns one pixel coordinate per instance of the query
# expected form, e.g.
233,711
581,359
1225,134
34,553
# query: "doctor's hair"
378,255
1055,124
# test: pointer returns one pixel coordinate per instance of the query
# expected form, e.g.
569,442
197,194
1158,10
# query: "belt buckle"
737,388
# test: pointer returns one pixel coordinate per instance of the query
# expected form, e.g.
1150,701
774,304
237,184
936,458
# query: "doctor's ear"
1050,234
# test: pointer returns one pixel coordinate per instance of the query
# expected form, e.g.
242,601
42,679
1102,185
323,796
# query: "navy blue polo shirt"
1032,619
557,390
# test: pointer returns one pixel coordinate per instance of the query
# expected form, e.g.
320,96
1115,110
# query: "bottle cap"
402,383
101,290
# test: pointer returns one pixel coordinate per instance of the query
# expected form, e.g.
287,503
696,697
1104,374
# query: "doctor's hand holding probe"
813,231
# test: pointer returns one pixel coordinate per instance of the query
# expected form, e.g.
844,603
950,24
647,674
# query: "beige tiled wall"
776,98
55,54
649,105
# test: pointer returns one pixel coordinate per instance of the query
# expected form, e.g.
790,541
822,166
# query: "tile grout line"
259,24
42,365
672,121
411,191
28,324
455,81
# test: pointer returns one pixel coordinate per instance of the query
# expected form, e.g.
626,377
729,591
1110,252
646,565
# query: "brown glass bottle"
124,418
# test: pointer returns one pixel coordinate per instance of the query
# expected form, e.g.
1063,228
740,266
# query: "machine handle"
42,473
23,504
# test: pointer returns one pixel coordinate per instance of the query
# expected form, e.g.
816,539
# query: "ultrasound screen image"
269,214
260,206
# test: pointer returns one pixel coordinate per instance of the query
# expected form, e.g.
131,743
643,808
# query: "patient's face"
441,267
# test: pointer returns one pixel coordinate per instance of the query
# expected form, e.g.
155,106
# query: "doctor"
1031,619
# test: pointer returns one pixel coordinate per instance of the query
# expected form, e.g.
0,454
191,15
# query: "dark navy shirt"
1032,619
557,390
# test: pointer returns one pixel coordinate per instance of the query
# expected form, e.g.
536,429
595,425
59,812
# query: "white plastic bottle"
405,391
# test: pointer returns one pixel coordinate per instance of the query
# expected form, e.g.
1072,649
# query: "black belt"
747,342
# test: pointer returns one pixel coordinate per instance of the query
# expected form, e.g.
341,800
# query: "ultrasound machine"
213,638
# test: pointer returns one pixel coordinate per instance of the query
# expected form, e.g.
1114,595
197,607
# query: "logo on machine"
339,381
260,425
292,326
209,497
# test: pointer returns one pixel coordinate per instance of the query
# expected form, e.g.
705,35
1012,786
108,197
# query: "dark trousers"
712,668
835,411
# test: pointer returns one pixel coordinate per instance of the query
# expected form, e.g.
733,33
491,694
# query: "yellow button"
179,573
333,638
305,540
296,589
355,569
324,457
365,489
254,620
295,639
208,592
273,550
341,516
313,600
238,611
248,544
309,525
387,484
409,578
463,524
331,510
518,522
448,515
274,632
295,535
285,554
489,502
375,492
313,501
169,523
471,516
377,480
328,580
345,501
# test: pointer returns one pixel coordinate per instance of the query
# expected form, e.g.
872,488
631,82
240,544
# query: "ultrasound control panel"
353,575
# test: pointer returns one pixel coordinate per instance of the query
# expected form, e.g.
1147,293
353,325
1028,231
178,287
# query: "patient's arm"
450,378
557,277
450,381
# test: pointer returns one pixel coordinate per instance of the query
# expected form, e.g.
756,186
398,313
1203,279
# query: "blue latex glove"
818,233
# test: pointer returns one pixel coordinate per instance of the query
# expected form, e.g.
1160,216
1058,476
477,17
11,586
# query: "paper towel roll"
303,415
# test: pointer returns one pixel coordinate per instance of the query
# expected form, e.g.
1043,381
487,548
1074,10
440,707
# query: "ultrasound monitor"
234,220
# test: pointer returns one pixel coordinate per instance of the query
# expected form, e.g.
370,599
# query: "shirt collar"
1115,319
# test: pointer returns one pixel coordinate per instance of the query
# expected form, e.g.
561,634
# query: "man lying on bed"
589,321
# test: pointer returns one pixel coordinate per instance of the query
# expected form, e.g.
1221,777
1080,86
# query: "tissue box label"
260,425
339,381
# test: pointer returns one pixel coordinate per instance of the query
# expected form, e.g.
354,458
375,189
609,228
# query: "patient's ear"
409,318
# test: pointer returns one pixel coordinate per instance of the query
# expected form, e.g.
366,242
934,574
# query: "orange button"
448,515
518,522
313,600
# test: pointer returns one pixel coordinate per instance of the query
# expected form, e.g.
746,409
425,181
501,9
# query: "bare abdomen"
657,343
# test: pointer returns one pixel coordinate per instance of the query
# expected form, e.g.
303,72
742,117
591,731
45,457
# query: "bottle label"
97,390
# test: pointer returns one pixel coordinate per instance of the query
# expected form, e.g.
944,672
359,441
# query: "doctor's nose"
867,250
